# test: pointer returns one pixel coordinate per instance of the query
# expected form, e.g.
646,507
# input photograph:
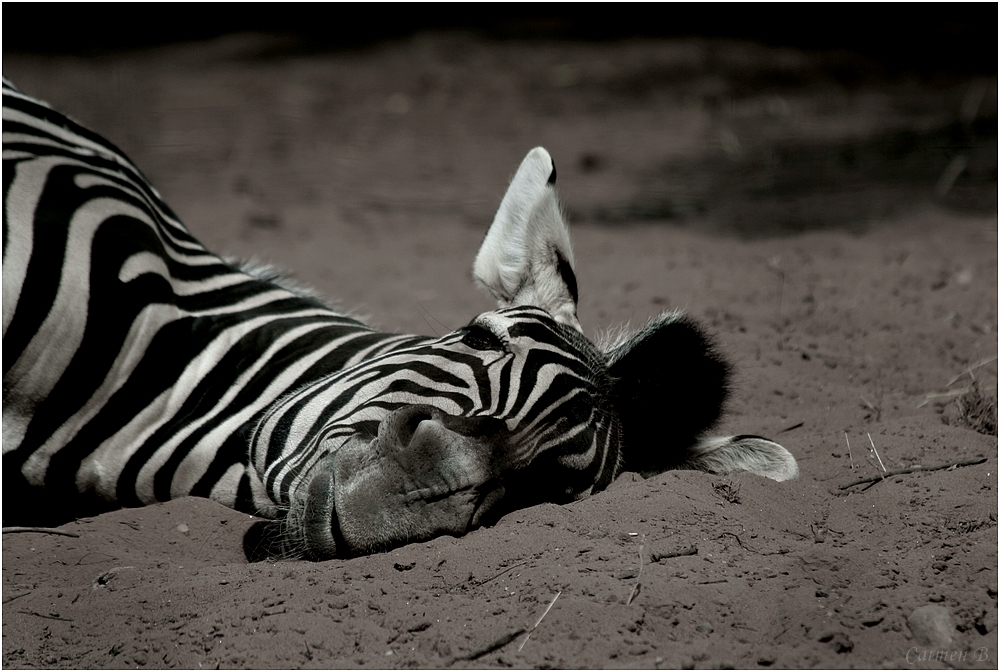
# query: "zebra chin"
320,525
309,530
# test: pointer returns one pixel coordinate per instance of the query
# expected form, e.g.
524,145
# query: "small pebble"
931,625
705,628
183,528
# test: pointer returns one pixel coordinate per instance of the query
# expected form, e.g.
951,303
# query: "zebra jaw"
424,475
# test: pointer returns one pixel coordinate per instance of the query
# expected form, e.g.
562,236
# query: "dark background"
904,38
926,73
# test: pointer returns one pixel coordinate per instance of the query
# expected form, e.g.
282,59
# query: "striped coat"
138,367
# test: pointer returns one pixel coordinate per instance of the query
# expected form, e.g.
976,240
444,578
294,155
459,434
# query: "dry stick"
39,530
680,552
489,648
532,629
499,574
788,429
849,454
970,369
48,616
876,453
485,581
931,396
737,538
638,576
19,595
911,470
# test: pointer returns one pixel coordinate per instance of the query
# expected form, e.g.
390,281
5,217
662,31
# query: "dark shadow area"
922,38
30,506
793,186
804,117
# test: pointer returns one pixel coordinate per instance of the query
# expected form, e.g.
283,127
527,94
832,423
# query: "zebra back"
136,363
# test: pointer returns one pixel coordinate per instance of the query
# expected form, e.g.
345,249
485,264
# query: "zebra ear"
526,258
669,387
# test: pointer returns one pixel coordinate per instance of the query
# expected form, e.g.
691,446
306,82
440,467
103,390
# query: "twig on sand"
52,617
876,454
738,540
489,648
532,628
849,454
911,470
788,429
931,396
39,530
638,576
500,573
970,369
7,600
950,394
681,552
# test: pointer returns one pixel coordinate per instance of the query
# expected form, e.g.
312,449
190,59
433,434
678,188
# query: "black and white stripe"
140,367
135,361
548,399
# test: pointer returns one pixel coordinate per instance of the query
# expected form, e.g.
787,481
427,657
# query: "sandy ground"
799,205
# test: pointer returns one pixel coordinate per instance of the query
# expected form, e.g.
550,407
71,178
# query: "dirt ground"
834,226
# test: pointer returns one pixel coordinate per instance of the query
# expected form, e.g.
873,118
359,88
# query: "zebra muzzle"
426,474
321,525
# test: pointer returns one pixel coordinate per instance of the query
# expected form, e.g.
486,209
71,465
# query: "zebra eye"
480,338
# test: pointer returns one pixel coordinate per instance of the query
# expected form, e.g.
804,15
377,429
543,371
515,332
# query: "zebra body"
139,367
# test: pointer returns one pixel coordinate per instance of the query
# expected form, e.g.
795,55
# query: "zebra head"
427,437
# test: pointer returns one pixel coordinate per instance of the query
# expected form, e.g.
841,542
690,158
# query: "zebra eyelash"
478,337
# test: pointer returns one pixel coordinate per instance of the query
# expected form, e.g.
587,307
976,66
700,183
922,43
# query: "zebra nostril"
410,427
407,420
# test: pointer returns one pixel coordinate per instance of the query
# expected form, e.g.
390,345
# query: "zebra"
140,367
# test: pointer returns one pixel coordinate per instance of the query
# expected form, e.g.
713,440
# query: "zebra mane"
266,272
612,341
609,338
